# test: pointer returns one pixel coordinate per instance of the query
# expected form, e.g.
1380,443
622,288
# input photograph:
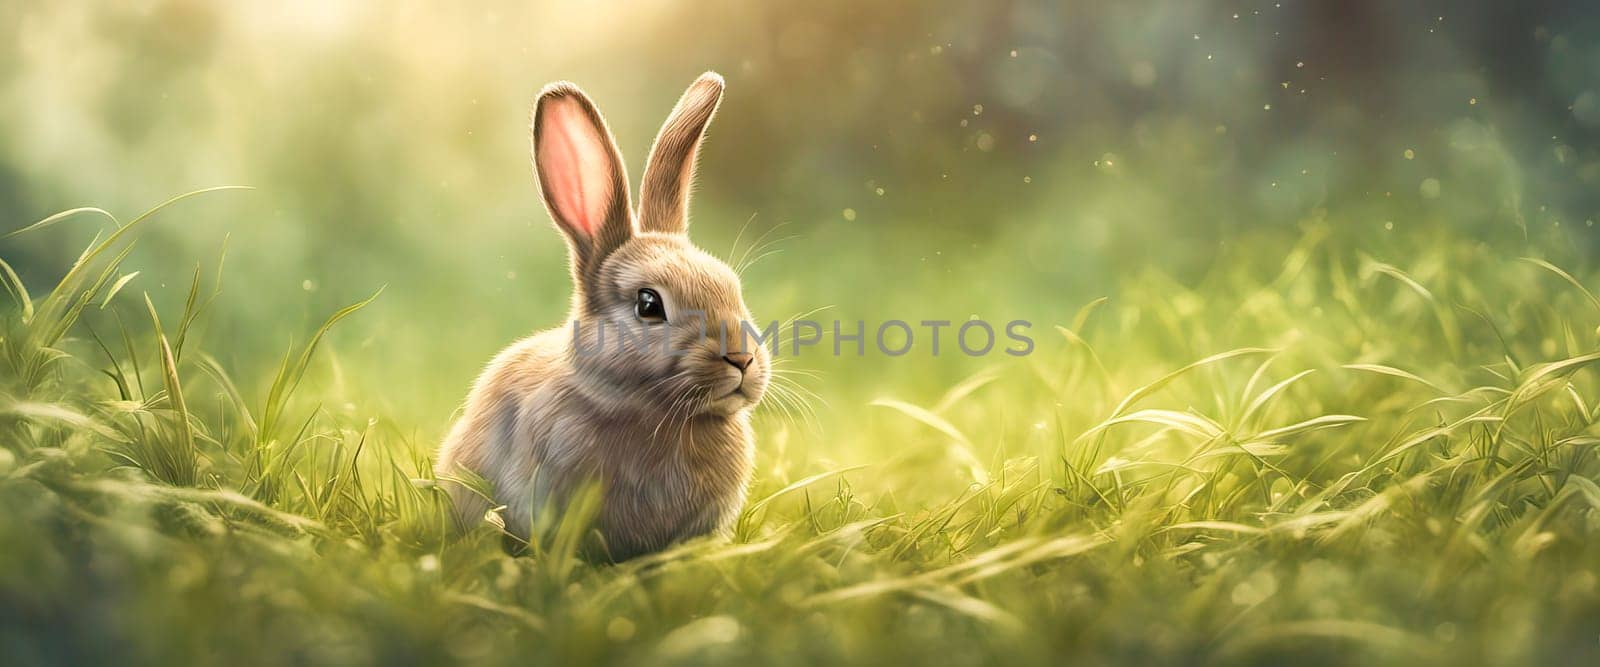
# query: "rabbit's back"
484,441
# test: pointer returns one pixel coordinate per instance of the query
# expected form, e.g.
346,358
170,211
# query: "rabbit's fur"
665,436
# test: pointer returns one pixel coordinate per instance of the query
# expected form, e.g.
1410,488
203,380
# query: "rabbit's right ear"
581,175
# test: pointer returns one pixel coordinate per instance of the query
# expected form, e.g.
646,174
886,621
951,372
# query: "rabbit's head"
657,322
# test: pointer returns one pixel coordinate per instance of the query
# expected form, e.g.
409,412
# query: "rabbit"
665,434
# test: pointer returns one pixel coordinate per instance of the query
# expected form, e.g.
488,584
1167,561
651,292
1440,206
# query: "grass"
1309,454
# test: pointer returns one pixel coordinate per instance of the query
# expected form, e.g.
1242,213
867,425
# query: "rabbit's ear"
581,175
669,173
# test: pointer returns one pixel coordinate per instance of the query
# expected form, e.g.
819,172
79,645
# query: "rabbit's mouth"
736,399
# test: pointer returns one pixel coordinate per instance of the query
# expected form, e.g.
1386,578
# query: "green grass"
1330,449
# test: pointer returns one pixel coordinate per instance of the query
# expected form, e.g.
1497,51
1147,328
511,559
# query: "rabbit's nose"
740,360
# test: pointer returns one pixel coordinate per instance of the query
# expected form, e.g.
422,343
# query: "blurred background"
905,159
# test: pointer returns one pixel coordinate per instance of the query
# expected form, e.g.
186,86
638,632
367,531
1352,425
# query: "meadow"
1313,291
1345,445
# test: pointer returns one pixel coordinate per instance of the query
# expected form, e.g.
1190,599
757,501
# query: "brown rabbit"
664,428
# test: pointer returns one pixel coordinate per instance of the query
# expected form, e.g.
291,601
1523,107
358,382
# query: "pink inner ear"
575,165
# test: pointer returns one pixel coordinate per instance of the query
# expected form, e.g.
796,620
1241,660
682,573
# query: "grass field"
1338,445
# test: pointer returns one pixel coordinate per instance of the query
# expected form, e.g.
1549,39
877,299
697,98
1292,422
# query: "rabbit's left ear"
669,172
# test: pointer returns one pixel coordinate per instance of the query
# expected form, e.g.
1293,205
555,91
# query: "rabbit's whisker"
742,229
756,246
785,402
681,401
768,253
798,393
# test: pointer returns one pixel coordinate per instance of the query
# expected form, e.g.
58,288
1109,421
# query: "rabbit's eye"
649,307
